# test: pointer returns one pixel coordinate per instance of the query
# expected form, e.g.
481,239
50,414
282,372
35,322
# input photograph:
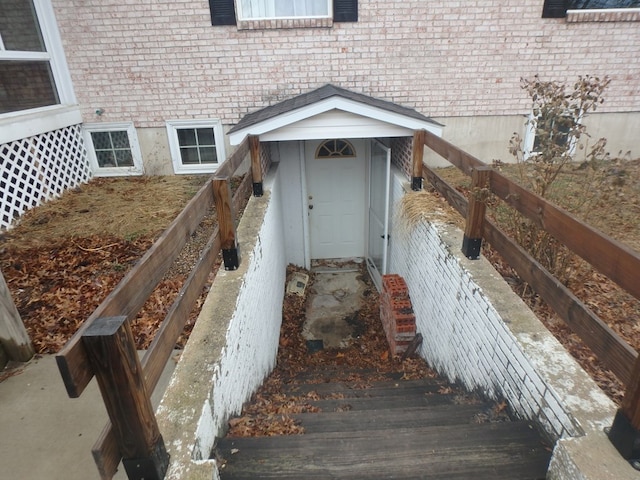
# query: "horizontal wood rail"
105,450
132,292
612,258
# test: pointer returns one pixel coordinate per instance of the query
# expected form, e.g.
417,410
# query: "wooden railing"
104,346
612,258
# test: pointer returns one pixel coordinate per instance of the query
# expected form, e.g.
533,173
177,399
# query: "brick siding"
147,61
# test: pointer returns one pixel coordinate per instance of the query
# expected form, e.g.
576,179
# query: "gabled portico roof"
331,112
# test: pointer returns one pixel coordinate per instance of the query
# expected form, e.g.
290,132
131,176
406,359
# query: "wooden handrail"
105,450
133,290
453,154
612,258
229,166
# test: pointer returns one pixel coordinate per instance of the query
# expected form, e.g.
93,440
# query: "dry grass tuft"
416,207
126,208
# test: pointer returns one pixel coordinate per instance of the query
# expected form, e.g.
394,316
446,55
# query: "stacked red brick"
396,313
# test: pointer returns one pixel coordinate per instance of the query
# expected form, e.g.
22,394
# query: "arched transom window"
335,149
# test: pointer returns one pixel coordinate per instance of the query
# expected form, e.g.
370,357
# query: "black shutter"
345,10
222,12
554,9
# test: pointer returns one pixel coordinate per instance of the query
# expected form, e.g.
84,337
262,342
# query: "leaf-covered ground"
364,361
67,255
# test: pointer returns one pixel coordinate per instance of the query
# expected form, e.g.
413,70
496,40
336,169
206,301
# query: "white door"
378,235
336,202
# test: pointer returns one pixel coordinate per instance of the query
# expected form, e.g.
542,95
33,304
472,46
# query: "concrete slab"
46,434
337,296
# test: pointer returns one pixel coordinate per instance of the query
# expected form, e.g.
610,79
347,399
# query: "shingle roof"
318,95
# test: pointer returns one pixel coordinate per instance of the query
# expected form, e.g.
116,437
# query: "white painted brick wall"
234,344
469,340
149,60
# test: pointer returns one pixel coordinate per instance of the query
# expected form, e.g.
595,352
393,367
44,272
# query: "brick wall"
401,154
477,331
233,345
149,60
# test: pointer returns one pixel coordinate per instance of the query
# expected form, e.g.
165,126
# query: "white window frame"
530,138
176,158
242,17
16,125
98,171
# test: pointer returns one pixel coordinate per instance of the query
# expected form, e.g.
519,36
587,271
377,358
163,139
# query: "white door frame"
373,270
360,189
363,149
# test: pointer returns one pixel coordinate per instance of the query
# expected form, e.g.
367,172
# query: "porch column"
256,165
417,152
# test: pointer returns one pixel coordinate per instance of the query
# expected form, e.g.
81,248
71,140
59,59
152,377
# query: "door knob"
310,207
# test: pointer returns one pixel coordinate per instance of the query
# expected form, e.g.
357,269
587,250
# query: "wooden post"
417,153
625,431
14,338
226,223
472,240
256,165
112,355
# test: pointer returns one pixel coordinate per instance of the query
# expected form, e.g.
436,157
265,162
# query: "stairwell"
363,412
353,428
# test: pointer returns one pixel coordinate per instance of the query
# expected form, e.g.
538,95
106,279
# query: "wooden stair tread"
372,389
492,450
382,403
363,420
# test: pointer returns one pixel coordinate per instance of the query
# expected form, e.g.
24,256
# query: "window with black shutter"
558,8
223,11
554,9
345,10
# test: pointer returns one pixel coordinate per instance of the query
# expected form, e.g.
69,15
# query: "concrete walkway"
46,434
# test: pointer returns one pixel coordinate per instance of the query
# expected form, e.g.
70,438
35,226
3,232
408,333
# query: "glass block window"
197,146
113,149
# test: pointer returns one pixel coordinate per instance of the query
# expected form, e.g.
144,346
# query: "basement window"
113,149
544,132
196,146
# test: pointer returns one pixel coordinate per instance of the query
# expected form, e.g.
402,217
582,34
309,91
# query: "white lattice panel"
39,168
